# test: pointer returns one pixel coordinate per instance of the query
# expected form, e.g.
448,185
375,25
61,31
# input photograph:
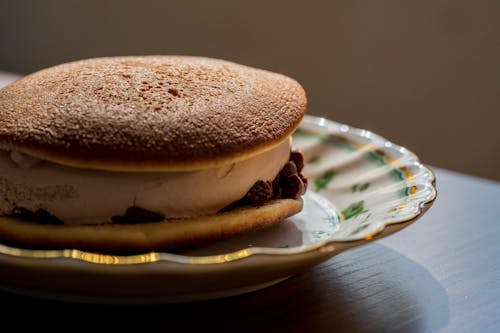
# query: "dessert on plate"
147,153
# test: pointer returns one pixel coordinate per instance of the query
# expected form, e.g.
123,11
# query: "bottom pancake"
167,234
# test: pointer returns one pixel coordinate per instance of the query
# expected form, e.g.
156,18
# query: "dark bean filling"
289,184
137,214
40,216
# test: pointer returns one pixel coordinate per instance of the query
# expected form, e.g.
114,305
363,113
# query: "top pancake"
151,113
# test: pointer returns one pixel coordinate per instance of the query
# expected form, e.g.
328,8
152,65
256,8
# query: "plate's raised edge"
428,177
327,245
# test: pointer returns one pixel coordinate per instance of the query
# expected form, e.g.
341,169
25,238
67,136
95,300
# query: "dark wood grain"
440,274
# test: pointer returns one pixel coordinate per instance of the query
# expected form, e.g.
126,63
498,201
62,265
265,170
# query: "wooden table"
441,273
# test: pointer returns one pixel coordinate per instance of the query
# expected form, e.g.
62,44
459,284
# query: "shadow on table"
371,288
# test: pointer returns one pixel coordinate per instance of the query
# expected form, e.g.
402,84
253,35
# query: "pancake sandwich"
147,153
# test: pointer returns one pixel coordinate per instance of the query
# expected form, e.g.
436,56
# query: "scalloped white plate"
361,187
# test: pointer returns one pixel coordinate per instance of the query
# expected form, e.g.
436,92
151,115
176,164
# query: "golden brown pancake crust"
152,113
149,236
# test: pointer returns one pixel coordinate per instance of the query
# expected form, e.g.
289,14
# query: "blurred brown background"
423,73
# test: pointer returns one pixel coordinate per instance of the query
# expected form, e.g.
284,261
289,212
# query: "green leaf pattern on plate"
370,180
314,159
360,187
353,210
322,181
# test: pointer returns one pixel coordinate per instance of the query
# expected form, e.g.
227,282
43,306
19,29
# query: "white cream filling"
84,196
